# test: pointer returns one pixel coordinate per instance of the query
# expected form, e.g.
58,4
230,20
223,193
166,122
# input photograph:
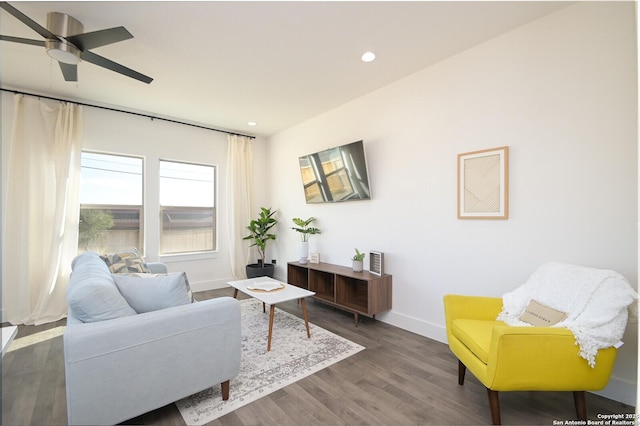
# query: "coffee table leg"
235,293
304,314
271,313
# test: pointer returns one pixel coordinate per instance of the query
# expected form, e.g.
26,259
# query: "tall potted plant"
302,226
259,236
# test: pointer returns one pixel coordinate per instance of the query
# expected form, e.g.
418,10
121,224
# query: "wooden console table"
362,293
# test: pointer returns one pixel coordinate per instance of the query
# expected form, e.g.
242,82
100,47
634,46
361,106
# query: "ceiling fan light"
63,52
63,26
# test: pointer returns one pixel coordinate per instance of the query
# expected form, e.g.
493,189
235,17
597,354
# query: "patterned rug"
292,357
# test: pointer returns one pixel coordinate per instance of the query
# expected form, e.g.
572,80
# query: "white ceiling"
223,64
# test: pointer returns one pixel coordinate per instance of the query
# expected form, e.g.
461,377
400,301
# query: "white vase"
304,252
357,266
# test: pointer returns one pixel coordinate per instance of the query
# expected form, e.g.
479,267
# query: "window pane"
109,229
110,203
110,179
186,185
187,210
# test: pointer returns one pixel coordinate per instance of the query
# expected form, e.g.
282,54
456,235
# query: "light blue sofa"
120,364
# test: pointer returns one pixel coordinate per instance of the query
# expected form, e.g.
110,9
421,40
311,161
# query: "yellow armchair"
506,358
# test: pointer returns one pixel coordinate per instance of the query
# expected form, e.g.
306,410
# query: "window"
187,208
110,203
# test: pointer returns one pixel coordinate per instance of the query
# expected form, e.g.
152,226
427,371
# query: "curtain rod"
126,112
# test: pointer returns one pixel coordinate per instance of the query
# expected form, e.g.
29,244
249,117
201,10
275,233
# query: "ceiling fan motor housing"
63,26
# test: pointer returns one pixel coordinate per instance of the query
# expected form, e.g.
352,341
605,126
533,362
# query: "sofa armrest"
157,267
534,354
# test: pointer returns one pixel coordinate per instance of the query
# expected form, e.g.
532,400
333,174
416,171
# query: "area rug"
293,356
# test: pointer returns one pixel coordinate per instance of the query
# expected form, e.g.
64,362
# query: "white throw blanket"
596,301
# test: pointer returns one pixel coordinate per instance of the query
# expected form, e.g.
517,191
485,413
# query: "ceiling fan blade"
69,71
94,39
28,21
113,66
22,40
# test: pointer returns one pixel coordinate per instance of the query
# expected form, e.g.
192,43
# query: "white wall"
561,93
115,132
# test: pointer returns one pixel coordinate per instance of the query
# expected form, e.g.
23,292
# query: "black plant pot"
256,270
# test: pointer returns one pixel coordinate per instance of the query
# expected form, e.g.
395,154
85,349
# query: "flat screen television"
336,174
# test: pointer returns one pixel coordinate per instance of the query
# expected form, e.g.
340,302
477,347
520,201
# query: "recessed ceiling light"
368,57
252,123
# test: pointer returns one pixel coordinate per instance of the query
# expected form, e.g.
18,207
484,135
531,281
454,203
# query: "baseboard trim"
415,325
209,285
620,390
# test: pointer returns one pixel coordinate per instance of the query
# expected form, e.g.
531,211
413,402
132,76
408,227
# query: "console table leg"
356,318
304,314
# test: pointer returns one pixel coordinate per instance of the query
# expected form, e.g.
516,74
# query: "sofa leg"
581,404
494,404
225,390
462,369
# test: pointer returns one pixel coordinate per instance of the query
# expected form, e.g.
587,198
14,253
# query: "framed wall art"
483,184
376,262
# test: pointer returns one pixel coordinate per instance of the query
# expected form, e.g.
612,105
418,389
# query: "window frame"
142,240
195,254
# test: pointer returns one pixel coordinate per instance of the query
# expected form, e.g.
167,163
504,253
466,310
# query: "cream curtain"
41,181
239,184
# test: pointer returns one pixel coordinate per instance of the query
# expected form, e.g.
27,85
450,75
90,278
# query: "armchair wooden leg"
462,369
581,404
494,404
225,390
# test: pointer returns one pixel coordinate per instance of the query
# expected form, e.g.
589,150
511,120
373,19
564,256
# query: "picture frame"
376,262
314,257
483,184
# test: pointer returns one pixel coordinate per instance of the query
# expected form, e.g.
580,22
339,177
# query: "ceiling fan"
66,42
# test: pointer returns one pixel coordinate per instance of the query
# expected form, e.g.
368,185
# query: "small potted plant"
302,226
357,261
259,235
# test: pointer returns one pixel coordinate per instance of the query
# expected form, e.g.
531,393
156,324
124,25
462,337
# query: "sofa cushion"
92,295
126,262
475,335
151,292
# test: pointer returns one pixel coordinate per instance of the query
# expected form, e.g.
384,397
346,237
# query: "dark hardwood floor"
399,379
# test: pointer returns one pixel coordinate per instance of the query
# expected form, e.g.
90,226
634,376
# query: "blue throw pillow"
152,292
95,297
